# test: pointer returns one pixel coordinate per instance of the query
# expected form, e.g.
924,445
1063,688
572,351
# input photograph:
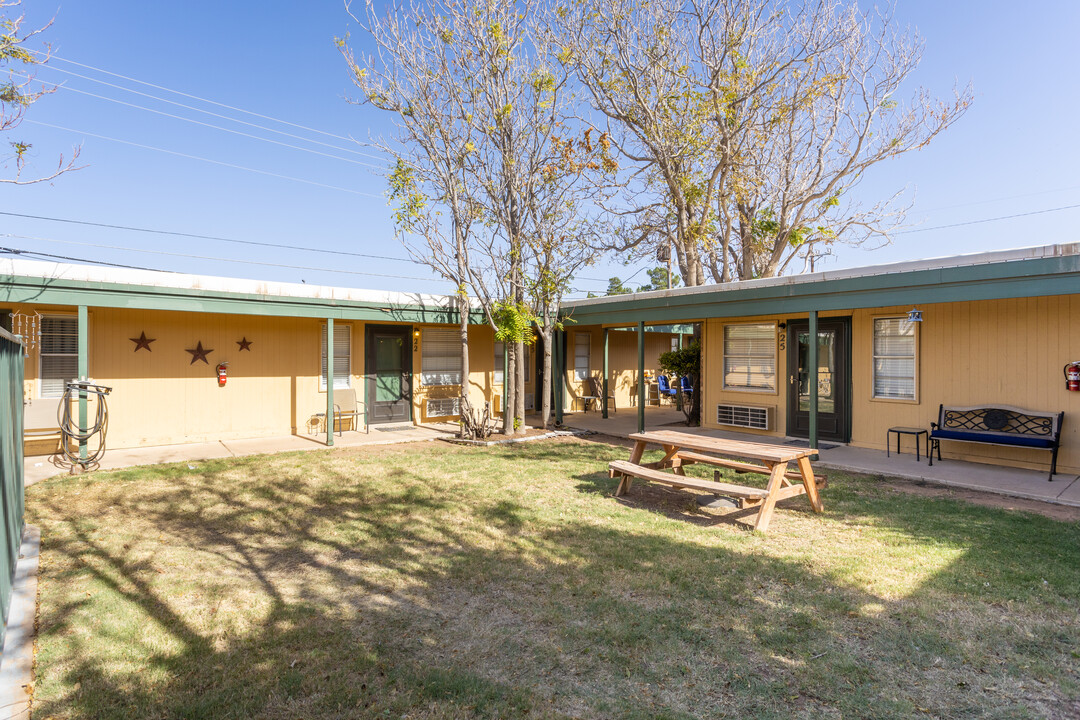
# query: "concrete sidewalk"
1008,481
40,467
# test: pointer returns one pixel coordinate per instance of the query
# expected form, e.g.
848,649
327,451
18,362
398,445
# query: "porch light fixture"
914,315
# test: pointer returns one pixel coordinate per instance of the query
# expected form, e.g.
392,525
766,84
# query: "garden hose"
72,437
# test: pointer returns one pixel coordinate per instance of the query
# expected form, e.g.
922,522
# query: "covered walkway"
1009,481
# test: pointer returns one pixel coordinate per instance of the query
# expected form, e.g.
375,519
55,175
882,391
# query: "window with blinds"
342,357
58,355
750,357
582,349
440,357
894,358
500,358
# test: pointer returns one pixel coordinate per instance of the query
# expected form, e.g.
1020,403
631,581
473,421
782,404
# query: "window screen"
59,354
342,356
440,357
500,352
894,358
750,357
582,347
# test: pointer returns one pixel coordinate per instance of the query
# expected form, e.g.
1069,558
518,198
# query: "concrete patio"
1011,482
42,466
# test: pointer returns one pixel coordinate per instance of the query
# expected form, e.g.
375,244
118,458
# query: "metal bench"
998,425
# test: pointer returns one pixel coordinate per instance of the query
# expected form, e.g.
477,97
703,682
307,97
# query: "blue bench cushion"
1034,441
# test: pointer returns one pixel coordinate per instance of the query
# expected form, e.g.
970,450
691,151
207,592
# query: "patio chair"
684,385
346,409
664,387
597,389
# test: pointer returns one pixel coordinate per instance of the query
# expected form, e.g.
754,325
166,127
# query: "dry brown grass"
437,581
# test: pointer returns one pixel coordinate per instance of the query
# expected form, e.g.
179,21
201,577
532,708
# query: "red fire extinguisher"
222,374
1072,376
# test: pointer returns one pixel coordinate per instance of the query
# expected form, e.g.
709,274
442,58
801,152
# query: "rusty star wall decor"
199,353
142,342
244,344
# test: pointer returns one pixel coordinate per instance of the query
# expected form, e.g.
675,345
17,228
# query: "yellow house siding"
622,363
969,353
481,375
1007,352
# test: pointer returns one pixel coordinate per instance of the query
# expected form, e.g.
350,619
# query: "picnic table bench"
682,449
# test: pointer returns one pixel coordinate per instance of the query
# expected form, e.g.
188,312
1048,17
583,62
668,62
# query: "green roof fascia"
990,281
54,291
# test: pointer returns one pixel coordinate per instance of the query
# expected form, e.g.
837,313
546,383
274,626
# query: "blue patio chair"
684,385
665,387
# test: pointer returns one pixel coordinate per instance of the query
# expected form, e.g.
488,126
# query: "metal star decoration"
244,344
142,342
199,353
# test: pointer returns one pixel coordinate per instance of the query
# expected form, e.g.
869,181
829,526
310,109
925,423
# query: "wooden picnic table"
681,449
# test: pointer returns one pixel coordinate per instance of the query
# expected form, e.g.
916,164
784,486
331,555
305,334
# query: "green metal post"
641,376
84,374
812,360
678,385
604,384
560,374
330,382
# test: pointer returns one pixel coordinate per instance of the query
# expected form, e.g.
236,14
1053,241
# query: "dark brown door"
388,371
834,379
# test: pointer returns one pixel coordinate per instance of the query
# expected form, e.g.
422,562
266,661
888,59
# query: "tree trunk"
509,389
519,373
546,336
466,407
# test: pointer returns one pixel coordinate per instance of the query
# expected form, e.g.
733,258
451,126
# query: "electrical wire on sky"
234,240
208,237
221,259
211,126
986,220
196,157
219,115
21,252
51,256
194,97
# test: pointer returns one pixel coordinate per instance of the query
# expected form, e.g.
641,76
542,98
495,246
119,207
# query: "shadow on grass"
395,591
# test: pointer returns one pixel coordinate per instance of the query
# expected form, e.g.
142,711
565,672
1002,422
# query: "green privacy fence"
11,464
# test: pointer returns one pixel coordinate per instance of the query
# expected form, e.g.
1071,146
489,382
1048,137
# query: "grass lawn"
434,581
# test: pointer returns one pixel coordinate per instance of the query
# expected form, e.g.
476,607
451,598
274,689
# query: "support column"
558,372
678,384
604,384
84,374
330,382
506,374
641,376
812,360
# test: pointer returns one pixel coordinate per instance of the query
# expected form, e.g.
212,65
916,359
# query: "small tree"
660,278
686,362
615,286
16,96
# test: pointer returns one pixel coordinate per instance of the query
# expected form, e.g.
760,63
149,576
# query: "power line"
280,246
195,97
214,127
34,253
219,259
196,157
207,237
214,114
986,220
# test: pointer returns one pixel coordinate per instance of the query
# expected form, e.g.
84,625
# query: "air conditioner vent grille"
757,417
443,407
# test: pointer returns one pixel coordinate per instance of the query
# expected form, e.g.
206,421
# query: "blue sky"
1014,152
